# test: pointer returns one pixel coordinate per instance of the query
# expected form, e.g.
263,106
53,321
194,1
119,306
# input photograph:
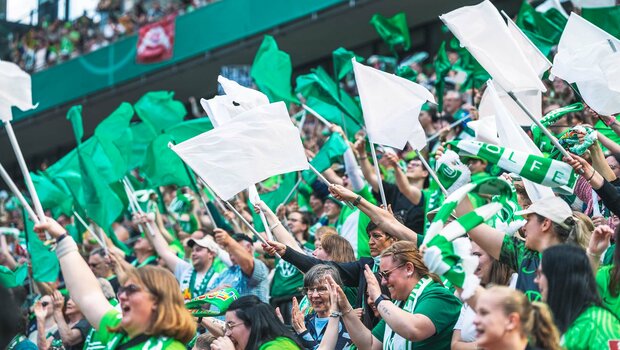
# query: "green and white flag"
541,170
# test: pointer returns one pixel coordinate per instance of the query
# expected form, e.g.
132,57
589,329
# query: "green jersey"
287,281
280,343
602,280
112,340
432,300
352,224
593,329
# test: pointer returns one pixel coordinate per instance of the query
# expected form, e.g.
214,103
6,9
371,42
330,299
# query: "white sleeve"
353,171
180,269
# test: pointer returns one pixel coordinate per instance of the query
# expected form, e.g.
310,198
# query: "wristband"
362,158
591,176
380,299
335,314
61,237
592,254
357,201
611,121
65,247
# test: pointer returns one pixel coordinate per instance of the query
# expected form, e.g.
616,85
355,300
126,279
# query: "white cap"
552,208
205,243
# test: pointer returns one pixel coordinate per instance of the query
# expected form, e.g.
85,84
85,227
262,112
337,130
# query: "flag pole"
24,169
453,124
378,172
325,181
432,172
135,206
263,219
218,201
97,238
7,179
290,194
317,115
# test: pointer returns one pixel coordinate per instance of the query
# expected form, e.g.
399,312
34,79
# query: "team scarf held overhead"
545,171
450,256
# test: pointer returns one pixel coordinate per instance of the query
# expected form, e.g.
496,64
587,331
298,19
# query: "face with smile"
201,257
236,330
331,209
295,223
378,241
319,299
138,306
396,277
491,321
415,170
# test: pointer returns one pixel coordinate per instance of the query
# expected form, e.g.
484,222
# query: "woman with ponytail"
507,320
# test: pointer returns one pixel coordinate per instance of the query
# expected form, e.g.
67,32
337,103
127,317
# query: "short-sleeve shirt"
602,280
525,262
413,215
183,273
113,318
257,284
84,327
442,308
593,329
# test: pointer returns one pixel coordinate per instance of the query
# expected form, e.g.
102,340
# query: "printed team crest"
155,41
214,303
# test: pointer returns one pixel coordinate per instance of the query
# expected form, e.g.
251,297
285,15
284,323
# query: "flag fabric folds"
159,110
234,156
606,18
272,70
588,57
394,30
15,90
499,54
342,62
391,106
332,150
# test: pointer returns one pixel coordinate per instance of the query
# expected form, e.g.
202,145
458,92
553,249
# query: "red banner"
155,41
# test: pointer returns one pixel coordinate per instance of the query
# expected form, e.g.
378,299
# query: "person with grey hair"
311,328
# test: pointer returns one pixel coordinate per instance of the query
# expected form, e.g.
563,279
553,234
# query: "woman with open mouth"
153,315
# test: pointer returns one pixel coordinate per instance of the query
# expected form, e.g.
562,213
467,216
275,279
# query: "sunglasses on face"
128,289
386,274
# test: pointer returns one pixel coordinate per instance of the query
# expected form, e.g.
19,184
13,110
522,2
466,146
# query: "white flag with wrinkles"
481,29
258,144
391,107
237,100
535,58
589,57
15,90
512,136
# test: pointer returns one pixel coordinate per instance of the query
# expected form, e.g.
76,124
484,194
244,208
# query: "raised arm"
367,169
159,243
487,237
280,233
383,218
79,279
236,250
68,335
413,194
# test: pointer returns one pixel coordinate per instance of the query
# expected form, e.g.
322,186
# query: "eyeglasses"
319,290
128,289
386,274
229,326
45,303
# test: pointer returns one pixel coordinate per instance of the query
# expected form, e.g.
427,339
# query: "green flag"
342,62
275,197
606,18
188,129
334,115
143,135
12,279
272,71
442,68
407,73
159,110
394,31
74,115
45,267
116,139
476,75
531,20
52,197
543,44
331,151
162,166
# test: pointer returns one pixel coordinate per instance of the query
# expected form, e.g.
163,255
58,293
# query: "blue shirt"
257,284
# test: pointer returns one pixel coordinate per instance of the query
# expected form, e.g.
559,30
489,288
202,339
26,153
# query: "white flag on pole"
237,100
485,129
585,55
536,59
484,33
15,90
391,107
262,142
512,136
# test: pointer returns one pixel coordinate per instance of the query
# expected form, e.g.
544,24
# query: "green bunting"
394,31
272,70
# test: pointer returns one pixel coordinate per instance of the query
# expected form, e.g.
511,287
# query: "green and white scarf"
451,172
450,256
541,170
393,340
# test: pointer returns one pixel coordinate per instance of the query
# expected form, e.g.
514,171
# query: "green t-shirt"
602,280
525,262
280,343
441,307
287,281
593,329
113,318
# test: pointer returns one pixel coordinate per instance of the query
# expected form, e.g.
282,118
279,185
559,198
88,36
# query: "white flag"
552,4
536,59
593,3
15,90
246,150
485,129
512,136
586,57
391,107
484,33
237,100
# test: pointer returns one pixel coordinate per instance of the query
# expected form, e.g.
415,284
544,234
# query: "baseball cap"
205,243
552,208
